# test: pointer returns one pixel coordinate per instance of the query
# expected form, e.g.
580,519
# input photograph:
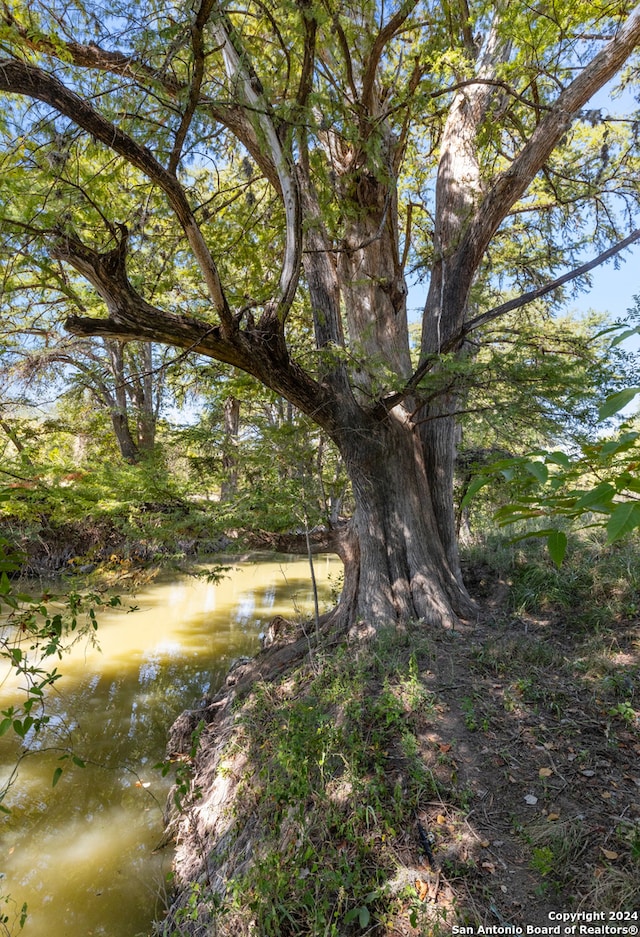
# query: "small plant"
543,860
625,711
201,904
471,719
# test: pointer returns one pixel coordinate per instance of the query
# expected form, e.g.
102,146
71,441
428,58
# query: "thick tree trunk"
439,435
395,565
400,568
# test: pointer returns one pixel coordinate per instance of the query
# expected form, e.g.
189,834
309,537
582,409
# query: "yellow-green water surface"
83,855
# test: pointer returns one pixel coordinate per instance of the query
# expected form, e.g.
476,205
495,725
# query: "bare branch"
385,35
454,342
532,295
492,82
197,43
240,72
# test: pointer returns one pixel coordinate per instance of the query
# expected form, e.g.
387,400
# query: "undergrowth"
335,780
335,776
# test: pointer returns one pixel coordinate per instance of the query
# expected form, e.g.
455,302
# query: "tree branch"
492,82
510,185
197,43
117,63
239,71
454,342
532,295
385,35
19,78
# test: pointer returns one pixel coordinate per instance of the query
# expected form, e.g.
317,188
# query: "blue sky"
613,290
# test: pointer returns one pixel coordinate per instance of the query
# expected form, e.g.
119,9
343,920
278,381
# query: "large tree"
348,140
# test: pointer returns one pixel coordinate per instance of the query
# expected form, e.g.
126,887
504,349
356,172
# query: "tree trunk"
118,408
398,567
128,449
229,484
146,412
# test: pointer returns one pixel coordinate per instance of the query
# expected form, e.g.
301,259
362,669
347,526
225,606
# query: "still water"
83,855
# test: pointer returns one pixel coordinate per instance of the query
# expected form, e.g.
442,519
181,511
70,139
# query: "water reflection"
82,855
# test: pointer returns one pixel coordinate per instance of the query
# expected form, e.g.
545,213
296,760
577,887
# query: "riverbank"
52,548
415,781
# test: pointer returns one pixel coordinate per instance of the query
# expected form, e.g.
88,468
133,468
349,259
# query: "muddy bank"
79,547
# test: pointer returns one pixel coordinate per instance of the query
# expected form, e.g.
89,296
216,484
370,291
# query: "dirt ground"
540,725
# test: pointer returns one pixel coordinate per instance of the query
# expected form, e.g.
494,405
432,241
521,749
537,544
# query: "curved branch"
240,72
19,78
492,82
117,63
324,540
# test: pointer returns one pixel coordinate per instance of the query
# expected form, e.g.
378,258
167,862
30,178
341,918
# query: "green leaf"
479,482
596,499
364,917
558,458
616,402
624,335
621,444
539,470
57,774
557,546
625,518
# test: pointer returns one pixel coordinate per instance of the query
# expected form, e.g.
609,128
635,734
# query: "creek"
83,855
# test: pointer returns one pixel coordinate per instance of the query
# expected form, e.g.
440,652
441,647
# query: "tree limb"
524,299
19,78
240,71
385,35
197,44
92,56
532,295
511,184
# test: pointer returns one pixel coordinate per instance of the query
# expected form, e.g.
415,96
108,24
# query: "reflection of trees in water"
114,710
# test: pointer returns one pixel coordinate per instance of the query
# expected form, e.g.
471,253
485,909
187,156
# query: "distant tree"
121,378
320,149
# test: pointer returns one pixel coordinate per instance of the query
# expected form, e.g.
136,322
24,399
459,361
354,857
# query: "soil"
535,731
552,771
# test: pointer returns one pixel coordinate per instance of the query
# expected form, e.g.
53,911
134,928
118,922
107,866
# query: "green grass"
334,778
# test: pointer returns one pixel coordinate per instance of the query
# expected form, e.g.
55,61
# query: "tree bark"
118,409
229,484
400,569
